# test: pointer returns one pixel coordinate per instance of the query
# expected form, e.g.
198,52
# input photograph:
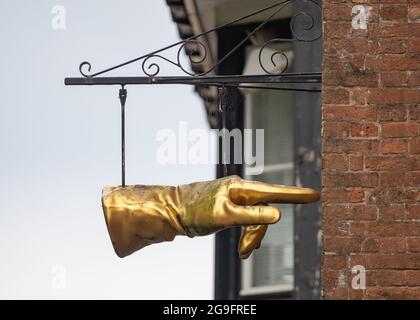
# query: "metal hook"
223,114
123,98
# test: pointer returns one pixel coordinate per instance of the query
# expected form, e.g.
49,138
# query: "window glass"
270,268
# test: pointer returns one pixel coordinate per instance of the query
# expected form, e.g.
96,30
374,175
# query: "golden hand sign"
137,216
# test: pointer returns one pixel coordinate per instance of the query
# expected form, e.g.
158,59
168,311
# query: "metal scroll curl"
308,23
305,32
82,66
302,26
198,57
154,65
276,54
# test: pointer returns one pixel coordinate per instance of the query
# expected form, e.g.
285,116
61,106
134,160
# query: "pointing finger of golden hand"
253,192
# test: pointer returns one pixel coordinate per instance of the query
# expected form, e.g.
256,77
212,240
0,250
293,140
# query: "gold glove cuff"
137,216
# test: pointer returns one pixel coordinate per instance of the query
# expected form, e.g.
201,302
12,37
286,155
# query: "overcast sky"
60,147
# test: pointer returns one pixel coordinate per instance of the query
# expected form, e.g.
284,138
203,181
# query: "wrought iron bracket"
198,52
303,28
235,80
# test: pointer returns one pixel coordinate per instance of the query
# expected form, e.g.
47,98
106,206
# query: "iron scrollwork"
201,51
296,36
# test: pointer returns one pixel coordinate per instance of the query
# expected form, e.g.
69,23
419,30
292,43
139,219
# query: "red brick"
337,30
396,30
390,163
414,45
357,195
358,260
391,45
391,1
338,68
370,245
337,145
390,262
351,179
332,278
414,12
356,162
334,262
356,76
413,178
413,244
412,229
356,294
351,45
412,293
391,278
394,12
414,78
331,64
392,179
392,62
392,213
392,245
415,146
388,229
395,195
394,78
336,96
358,228
364,130
391,95
400,129
392,293
414,112
394,146
335,162
342,245
363,212
348,113
336,294
413,277
358,96
335,228
340,12
414,211
392,113
336,212
331,195
335,129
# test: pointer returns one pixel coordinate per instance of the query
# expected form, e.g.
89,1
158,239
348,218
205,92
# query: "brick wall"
371,150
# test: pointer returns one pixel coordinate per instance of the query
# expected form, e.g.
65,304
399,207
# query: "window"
270,268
